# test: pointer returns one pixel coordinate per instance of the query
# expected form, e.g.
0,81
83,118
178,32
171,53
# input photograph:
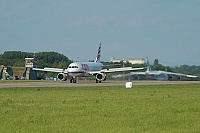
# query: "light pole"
123,66
77,58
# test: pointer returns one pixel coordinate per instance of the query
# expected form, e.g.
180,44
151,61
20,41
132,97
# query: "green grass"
150,108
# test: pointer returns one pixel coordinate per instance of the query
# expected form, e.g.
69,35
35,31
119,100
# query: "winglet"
98,53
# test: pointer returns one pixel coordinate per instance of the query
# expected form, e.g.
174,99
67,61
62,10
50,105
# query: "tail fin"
148,65
98,54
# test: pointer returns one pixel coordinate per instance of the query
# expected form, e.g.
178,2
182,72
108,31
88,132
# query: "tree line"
44,59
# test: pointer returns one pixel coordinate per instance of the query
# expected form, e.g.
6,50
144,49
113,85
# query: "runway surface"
20,84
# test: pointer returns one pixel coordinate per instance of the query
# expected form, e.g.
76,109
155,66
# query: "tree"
44,59
157,66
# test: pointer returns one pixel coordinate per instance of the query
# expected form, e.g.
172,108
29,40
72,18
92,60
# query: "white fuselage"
81,69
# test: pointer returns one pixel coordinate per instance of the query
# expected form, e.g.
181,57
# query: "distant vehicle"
22,78
156,75
16,77
48,78
86,69
19,78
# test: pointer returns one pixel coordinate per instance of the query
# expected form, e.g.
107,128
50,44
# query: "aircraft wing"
137,73
163,72
123,69
180,74
128,74
46,69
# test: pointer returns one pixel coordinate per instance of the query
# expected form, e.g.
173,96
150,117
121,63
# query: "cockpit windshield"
73,66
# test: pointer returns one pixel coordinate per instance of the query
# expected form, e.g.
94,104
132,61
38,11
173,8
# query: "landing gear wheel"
97,81
72,80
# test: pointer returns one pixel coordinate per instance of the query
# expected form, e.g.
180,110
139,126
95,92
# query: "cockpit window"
73,66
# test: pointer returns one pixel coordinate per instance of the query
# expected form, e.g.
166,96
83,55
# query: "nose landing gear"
72,80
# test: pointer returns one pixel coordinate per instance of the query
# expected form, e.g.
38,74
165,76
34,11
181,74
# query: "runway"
25,84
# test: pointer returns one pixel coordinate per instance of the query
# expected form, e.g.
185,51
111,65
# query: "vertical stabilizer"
98,53
148,65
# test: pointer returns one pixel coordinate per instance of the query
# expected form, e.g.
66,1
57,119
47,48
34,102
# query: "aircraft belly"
77,74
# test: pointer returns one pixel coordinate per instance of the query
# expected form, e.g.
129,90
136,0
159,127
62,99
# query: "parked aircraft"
156,75
86,69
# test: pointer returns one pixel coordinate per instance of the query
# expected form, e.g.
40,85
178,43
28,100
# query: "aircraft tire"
97,81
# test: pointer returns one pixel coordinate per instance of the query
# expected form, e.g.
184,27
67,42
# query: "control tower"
30,63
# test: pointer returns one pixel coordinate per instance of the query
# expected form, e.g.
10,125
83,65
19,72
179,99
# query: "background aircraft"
85,69
155,75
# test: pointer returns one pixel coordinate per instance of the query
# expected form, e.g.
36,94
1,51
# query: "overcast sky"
167,30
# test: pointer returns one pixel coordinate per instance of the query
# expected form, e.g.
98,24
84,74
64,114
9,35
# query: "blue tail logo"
98,53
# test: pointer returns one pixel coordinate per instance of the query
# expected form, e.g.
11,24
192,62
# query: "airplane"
155,75
86,69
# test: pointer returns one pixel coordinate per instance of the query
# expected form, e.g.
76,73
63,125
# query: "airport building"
29,74
9,73
130,60
136,60
5,72
1,71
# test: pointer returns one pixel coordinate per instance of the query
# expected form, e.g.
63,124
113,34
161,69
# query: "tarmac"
26,84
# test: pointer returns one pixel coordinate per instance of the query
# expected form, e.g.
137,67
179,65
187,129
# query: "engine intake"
62,76
170,77
179,77
100,77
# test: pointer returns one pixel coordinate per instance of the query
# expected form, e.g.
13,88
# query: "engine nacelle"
136,77
179,77
62,76
100,77
170,77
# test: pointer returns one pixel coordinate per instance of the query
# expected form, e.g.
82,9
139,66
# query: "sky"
167,30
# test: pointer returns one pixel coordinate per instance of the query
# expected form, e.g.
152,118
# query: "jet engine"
136,77
100,77
62,76
170,77
179,77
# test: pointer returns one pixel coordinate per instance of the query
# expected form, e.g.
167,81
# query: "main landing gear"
97,81
72,80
